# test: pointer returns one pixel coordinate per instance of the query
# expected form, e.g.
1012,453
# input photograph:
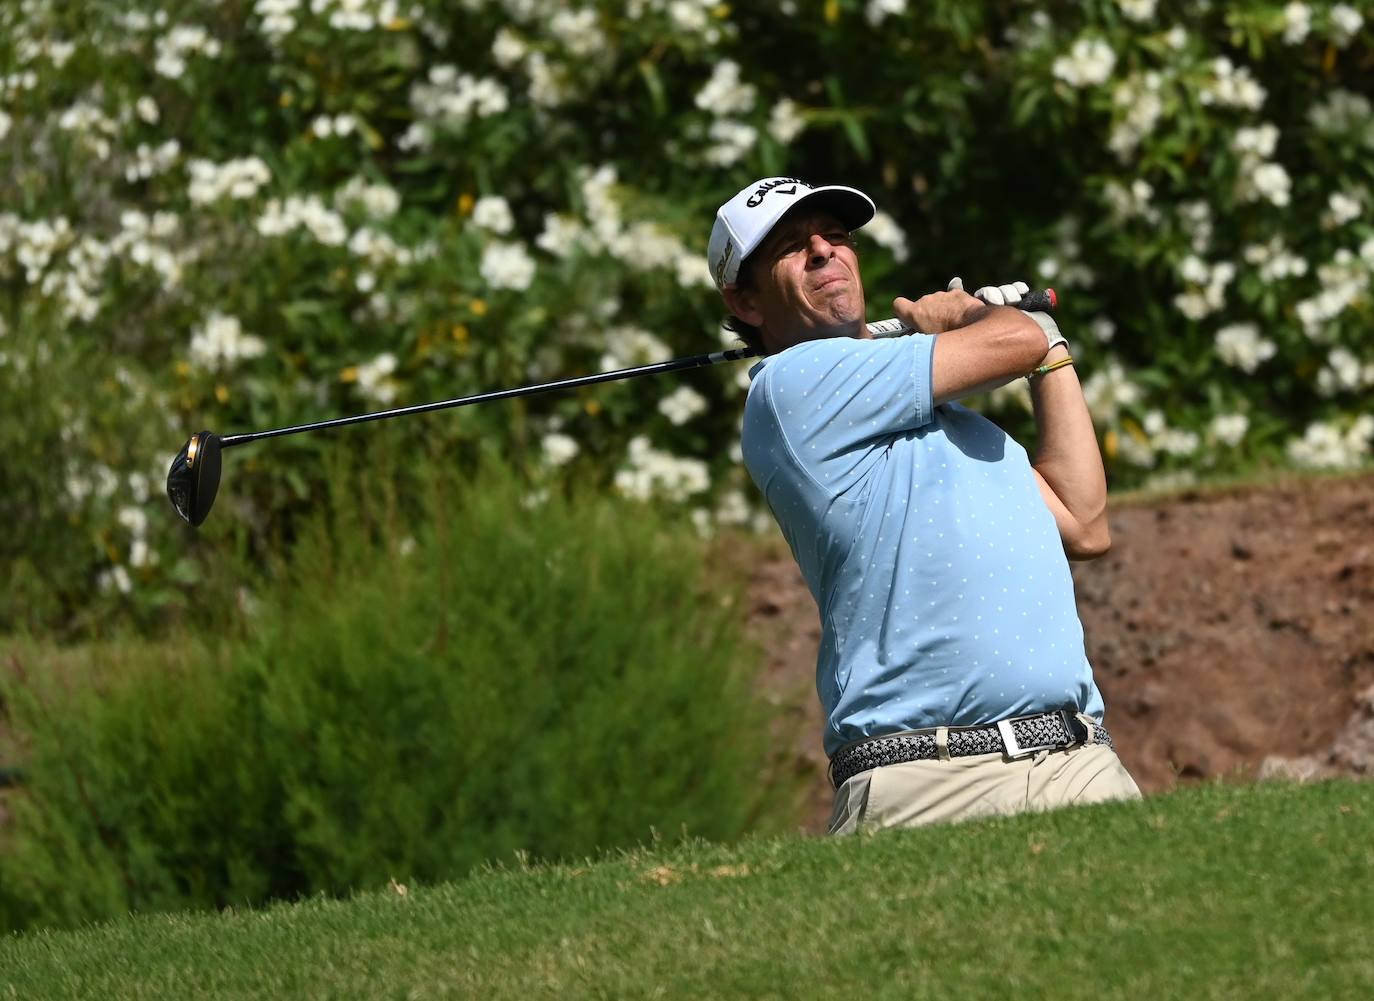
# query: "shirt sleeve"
837,399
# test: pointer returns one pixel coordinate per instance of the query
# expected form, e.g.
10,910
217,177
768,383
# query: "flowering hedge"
243,214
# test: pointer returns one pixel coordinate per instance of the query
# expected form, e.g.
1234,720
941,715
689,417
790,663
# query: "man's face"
806,282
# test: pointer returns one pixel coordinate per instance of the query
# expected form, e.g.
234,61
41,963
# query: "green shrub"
267,213
437,676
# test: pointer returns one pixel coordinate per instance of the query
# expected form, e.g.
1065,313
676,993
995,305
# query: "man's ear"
744,303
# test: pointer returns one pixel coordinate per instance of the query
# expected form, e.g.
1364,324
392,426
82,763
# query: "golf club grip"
1041,300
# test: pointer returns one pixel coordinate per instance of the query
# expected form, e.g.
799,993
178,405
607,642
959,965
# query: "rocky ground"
1231,631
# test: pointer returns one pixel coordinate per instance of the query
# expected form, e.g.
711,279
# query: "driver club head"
193,479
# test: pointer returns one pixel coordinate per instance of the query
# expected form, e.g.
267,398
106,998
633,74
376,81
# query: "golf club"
193,479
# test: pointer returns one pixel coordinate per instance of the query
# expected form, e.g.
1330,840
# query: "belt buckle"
1015,749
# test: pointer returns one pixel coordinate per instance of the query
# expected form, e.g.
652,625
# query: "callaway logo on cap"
743,221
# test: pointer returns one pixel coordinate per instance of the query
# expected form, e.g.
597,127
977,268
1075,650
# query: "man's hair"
751,335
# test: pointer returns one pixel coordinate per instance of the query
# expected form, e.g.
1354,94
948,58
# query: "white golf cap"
744,221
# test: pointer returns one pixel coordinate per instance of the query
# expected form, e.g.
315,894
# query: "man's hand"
940,311
999,295
1010,295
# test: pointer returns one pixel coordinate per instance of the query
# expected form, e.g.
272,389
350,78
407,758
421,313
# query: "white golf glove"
1010,295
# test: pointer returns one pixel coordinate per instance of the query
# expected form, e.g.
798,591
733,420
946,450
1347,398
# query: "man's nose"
820,249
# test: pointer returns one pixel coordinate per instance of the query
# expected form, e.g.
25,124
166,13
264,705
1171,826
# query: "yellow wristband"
1050,367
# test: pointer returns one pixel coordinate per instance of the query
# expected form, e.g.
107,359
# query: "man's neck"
774,345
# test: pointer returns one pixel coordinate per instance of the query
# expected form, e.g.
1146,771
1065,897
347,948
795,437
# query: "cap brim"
851,206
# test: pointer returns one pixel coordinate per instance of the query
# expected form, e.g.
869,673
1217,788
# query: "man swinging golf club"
951,669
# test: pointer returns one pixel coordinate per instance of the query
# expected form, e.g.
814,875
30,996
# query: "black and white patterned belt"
1016,737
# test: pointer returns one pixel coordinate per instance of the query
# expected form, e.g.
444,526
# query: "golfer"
951,671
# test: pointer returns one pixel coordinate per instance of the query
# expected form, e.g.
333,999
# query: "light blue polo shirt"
944,592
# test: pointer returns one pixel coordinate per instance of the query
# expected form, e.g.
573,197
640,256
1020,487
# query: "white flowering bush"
237,216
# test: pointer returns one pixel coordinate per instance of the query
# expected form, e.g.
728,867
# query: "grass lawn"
1222,891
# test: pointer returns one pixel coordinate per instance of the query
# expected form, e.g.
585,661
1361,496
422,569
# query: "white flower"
1341,209
1326,445
220,341
146,108
1275,261
507,265
733,509
1240,344
785,121
1137,10
681,405
373,378
379,201
177,44
1271,182
731,141
1103,329
277,17
578,31
627,346
1257,143
1344,373
1090,61
1232,87
1176,38
723,93
560,235
240,179
1108,389
450,96
508,48
549,84
1346,22
116,577
492,213
559,449
883,230
1228,429
650,472
1297,22
135,519
879,9
1140,106
141,554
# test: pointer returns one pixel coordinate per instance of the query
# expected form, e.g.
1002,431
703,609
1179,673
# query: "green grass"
1220,891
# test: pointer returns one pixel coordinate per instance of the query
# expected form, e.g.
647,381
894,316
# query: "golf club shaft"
658,368
1041,300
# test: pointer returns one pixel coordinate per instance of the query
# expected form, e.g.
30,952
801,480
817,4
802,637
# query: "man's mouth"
828,281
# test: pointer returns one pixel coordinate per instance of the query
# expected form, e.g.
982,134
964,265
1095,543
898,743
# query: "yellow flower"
1110,444
349,374
465,203
183,368
222,393
286,99
460,333
721,11
478,307
832,11
398,24
593,407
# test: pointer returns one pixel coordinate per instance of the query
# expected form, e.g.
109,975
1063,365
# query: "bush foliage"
409,697
245,214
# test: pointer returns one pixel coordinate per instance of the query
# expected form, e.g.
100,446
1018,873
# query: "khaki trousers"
981,785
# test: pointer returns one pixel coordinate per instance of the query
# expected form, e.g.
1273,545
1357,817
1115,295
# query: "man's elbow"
1092,542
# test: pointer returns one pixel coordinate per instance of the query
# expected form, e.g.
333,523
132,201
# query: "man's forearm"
1068,460
994,345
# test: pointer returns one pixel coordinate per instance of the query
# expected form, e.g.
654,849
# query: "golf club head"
193,479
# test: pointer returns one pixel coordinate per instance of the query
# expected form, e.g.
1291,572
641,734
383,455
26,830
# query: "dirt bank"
1225,628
